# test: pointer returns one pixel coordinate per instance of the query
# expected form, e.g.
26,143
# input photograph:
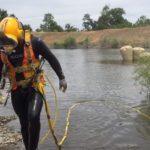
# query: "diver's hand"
62,85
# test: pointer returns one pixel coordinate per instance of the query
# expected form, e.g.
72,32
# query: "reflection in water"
115,62
119,62
108,123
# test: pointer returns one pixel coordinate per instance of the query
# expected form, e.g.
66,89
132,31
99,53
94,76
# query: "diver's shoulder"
36,40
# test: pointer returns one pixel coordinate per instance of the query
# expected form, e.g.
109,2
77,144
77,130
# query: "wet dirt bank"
8,137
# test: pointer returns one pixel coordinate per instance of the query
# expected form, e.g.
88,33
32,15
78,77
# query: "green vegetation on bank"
71,43
142,72
111,43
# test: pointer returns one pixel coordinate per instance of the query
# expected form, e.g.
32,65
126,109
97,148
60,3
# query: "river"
106,118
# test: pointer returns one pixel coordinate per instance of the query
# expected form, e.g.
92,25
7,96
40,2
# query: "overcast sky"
71,11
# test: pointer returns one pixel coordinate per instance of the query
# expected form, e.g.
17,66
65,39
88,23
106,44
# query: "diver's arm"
43,50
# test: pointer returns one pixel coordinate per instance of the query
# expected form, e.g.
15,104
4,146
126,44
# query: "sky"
71,11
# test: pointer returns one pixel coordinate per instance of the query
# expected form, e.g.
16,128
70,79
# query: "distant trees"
49,24
112,18
109,18
70,28
3,14
27,26
88,23
142,21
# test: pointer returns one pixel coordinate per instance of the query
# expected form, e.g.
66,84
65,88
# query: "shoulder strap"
27,45
27,37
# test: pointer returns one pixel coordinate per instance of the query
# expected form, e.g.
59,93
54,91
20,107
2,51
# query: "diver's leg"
20,106
34,109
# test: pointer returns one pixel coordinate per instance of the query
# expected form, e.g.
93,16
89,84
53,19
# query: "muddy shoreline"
9,138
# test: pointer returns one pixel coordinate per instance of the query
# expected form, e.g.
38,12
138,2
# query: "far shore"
108,38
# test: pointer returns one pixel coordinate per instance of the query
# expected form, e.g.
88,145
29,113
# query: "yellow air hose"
56,109
40,87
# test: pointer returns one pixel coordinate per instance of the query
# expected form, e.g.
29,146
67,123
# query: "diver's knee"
33,117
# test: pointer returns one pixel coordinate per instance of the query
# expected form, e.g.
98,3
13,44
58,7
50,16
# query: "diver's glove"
62,85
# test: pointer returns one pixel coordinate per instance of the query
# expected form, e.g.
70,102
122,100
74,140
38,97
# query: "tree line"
109,18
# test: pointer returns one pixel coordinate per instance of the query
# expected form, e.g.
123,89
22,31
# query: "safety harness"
28,67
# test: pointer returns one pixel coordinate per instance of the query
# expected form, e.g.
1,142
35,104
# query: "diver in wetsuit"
22,59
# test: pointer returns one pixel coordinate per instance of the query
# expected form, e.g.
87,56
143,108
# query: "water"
105,120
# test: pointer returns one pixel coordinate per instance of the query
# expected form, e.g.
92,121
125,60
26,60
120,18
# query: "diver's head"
11,31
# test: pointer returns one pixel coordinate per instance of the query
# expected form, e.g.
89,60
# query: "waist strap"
24,83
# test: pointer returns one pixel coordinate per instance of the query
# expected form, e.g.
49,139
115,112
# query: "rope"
40,88
56,100
56,109
141,113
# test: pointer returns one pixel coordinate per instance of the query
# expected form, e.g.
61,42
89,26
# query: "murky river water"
108,121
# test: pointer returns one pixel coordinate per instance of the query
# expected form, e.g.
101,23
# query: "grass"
112,38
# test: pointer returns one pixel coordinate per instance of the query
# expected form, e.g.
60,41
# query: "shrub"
105,42
86,42
114,43
70,43
110,43
58,45
142,71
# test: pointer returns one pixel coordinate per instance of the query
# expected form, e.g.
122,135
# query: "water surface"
105,120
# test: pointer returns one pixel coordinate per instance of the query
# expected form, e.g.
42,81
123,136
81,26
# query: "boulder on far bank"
127,53
137,51
130,53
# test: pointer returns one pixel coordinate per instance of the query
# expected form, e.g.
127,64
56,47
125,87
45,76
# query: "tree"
3,14
112,18
70,28
88,23
105,10
27,27
12,15
49,24
142,21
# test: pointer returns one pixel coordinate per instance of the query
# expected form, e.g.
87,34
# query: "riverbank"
108,38
8,138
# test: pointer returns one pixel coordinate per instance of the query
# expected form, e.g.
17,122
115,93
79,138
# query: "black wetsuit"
26,102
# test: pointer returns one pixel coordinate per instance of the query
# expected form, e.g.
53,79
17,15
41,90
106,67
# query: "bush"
110,43
114,43
142,71
58,45
105,42
70,43
86,42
